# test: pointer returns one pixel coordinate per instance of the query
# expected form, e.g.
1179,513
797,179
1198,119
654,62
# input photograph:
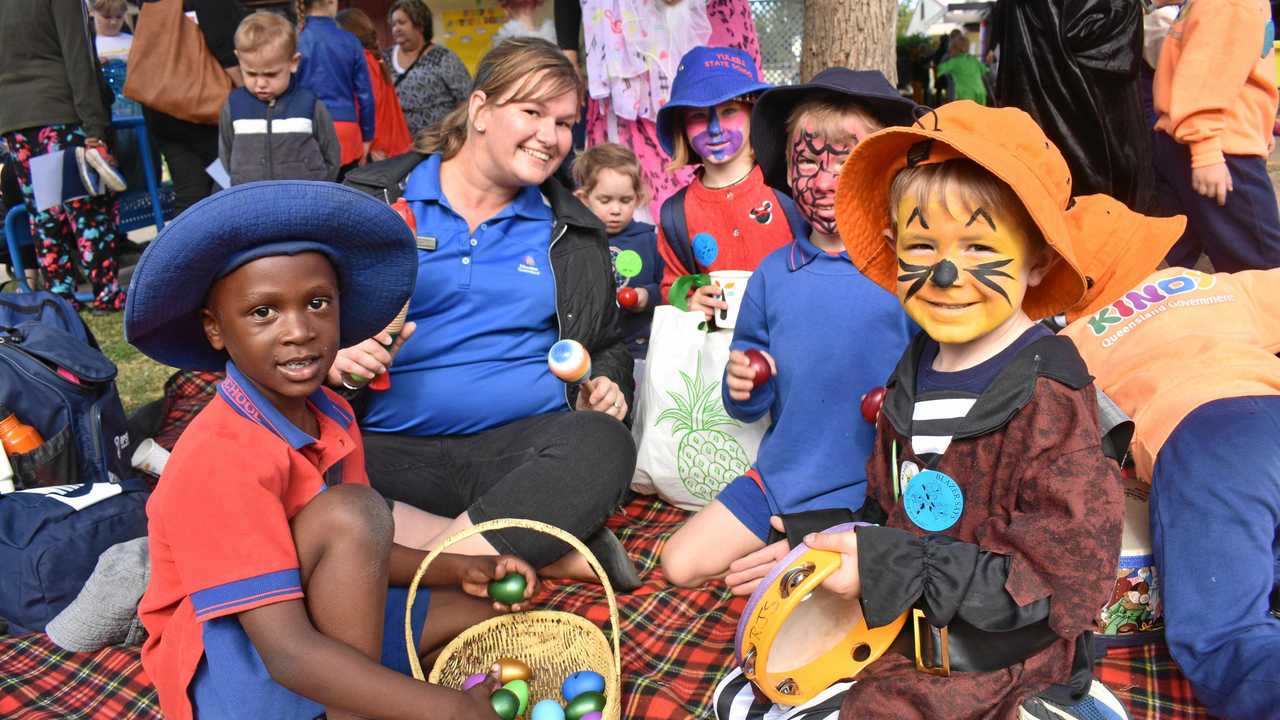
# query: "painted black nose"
944,274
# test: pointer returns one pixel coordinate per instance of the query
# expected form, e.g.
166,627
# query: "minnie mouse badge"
764,213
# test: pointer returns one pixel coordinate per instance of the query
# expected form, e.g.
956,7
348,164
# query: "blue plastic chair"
17,234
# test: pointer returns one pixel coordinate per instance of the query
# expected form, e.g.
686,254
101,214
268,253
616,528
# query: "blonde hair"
826,114
102,7
606,156
264,28
682,153
525,69
972,185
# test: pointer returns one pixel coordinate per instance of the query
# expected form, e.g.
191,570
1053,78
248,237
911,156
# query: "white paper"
46,179
219,173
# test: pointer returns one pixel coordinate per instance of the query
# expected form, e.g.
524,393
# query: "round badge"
628,263
934,501
705,249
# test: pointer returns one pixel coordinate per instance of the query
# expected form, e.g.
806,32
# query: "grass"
140,379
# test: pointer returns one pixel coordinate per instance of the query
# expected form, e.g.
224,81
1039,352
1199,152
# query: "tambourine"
795,639
1133,614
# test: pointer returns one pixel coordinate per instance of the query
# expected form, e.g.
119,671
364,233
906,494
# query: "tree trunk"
856,34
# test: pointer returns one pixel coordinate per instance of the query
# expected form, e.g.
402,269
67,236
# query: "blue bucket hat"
370,246
706,77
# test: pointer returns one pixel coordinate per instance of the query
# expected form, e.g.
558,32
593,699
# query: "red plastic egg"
871,403
760,364
628,297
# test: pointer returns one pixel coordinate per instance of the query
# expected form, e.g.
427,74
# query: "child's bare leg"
450,612
343,539
704,547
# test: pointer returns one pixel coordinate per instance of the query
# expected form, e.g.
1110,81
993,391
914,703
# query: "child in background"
1192,357
390,132
521,21
1215,101
966,71
108,23
796,311
739,218
608,181
334,68
273,129
997,508
271,557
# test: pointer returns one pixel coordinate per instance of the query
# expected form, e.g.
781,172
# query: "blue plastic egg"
547,710
580,682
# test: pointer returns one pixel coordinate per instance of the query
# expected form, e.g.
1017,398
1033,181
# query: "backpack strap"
675,228
799,226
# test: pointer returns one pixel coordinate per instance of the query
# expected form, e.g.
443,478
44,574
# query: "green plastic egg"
509,590
505,703
583,704
521,690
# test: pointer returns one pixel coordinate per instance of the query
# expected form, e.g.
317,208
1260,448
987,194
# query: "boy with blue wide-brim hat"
271,556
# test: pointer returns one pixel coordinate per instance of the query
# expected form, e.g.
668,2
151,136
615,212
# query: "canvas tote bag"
171,69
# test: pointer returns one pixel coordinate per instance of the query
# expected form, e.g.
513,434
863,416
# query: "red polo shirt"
744,218
219,521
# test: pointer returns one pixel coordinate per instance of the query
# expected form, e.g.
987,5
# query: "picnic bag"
54,378
170,68
50,540
688,448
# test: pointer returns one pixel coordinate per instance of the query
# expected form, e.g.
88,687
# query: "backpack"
50,540
675,227
53,377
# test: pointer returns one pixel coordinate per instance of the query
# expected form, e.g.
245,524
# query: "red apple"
871,403
628,297
759,364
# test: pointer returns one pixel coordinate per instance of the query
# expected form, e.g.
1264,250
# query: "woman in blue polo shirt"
474,426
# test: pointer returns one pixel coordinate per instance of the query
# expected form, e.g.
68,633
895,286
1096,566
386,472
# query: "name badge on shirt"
426,243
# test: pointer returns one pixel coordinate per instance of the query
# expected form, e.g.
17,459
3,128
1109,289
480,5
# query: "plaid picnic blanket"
676,645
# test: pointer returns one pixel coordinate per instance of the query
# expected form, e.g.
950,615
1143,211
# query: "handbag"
171,69
687,446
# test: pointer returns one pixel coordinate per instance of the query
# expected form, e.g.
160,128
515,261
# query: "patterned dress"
431,87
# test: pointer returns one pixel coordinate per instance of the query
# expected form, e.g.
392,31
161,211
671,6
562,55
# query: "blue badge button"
934,501
705,249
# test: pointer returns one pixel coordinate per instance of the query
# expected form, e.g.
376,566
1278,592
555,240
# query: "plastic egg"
473,680
593,716
507,669
507,590
520,689
569,361
584,703
547,710
505,703
580,682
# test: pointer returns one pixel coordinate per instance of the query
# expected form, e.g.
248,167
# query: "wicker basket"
553,644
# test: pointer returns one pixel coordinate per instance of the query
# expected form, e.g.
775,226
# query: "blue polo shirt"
834,335
485,306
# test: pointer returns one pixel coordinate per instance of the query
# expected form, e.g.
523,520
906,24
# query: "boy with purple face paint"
810,468
731,217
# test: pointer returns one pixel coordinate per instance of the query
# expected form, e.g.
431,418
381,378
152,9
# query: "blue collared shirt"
485,306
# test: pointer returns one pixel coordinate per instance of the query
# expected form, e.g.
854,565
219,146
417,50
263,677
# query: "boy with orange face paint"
999,516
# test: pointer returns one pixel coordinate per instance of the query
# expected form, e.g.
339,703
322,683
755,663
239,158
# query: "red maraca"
872,400
628,297
760,365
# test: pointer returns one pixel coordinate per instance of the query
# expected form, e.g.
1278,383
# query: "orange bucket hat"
1004,141
1116,247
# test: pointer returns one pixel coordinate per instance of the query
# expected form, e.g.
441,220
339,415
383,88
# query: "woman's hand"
369,358
746,572
604,395
478,570
706,299
741,377
845,581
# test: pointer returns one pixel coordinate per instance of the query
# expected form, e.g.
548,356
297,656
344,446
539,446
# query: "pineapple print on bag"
706,458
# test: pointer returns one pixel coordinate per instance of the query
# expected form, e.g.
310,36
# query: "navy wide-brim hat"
370,246
706,77
870,88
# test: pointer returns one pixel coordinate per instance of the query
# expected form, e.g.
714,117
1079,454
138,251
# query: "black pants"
567,469
187,157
